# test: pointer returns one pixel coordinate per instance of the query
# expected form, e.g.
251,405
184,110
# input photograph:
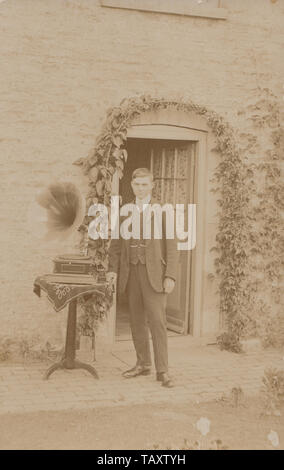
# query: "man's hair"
142,172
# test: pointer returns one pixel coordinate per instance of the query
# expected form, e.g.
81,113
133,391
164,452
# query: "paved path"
201,374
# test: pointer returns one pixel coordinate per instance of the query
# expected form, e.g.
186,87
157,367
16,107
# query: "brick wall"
63,63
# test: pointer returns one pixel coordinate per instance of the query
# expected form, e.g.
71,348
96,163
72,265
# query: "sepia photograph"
142,227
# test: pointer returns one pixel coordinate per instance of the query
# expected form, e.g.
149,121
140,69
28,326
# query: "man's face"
142,186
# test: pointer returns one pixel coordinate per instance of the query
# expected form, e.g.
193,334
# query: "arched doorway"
174,146
219,179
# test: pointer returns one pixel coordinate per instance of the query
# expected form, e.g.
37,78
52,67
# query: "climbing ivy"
109,155
264,151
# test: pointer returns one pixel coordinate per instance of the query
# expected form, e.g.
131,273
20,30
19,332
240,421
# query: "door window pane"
171,163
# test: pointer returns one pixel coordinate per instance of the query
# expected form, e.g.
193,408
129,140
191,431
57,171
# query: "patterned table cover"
61,294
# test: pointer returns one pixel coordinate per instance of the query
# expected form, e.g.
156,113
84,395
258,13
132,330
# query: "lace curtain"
171,167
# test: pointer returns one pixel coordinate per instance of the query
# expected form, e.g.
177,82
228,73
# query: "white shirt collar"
140,202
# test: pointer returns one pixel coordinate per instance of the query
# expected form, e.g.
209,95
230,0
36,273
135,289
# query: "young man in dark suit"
147,270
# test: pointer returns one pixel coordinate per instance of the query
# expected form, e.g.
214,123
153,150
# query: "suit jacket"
161,257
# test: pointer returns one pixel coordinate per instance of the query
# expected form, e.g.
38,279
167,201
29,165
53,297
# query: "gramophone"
64,207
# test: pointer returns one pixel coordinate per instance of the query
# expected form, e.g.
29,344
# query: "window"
199,8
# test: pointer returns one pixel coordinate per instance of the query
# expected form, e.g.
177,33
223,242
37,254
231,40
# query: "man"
147,272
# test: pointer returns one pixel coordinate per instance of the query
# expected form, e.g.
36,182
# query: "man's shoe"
165,379
135,371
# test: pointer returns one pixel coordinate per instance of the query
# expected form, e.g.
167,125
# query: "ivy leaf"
92,160
120,165
86,167
120,173
117,141
104,172
123,134
124,154
117,153
93,174
115,123
80,161
100,187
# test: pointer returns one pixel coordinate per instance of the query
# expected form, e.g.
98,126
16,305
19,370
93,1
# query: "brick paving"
201,373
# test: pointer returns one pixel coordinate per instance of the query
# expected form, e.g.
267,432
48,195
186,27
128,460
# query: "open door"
172,163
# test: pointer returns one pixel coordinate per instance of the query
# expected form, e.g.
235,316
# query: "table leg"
70,343
69,361
54,367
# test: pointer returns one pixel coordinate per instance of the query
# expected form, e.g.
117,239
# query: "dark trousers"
147,309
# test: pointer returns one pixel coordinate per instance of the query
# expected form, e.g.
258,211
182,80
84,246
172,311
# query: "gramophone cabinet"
72,264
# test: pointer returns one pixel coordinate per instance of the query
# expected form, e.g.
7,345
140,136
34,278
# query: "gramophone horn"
63,203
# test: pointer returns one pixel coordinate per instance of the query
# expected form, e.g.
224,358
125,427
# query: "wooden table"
60,293
69,360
